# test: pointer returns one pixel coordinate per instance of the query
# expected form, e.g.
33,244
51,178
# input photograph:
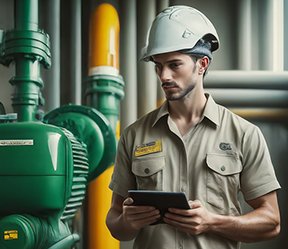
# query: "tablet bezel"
159,199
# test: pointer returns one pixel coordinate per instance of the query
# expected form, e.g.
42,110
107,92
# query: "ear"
204,63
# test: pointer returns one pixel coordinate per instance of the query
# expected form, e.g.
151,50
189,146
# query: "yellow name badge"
149,148
11,235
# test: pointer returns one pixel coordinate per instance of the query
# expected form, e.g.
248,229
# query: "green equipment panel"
35,168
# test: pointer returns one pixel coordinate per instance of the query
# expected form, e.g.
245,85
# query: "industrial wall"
253,53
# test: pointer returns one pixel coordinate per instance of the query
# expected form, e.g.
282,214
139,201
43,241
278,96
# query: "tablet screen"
159,199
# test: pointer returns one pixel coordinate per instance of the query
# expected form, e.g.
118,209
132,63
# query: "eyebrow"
169,61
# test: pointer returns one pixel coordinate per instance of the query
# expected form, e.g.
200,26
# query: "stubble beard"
180,94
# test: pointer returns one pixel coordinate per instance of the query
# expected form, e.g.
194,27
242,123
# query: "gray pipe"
247,79
147,80
52,76
250,97
76,63
128,61
245,35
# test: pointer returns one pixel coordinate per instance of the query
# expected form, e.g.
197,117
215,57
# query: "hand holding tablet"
159,199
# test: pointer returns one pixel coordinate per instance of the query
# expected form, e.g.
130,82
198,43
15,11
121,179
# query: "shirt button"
147,170
223,168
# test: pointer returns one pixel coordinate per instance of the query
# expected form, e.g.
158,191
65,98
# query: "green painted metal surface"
30,44
80,175
36,168
43,178
30,232
93,129
28,47
104,93
45,167
16,231
26,14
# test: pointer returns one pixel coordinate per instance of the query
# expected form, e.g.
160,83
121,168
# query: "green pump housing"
46,162
35,168
42,186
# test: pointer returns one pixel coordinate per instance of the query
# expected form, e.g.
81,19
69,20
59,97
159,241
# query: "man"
193,145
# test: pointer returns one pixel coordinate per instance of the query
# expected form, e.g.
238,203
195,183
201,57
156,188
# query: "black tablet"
159,199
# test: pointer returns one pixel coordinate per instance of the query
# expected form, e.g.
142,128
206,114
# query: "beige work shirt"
221,156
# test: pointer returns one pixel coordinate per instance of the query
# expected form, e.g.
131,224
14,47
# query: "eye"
157,67
175,65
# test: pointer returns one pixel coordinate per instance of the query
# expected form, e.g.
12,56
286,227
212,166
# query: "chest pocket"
149,172
223,182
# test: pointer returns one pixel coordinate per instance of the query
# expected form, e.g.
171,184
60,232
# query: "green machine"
45,162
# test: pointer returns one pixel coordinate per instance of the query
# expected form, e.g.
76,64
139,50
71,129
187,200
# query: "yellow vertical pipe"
104,37
103,59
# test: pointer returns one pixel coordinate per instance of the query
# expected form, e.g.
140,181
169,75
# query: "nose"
165,74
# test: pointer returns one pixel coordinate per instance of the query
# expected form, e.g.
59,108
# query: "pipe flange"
34,45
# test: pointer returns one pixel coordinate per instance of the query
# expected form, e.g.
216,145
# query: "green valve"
93,129
104,93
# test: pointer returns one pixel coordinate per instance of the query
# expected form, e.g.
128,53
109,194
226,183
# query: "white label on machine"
17,142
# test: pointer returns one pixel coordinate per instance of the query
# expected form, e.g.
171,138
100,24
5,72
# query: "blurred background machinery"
248,75
47,160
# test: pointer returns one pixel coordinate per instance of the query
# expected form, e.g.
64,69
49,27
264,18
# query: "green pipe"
27,80
104,93
26,14
28,47
27,95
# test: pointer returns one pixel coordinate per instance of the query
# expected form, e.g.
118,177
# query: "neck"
187,112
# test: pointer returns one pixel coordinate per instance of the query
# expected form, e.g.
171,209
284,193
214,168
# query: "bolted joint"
28,44
104,92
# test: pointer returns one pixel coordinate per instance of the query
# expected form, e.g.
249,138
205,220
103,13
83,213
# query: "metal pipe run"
247,80
28,47
271,114
147,80
105,89
128,61
52,76
26,16
250,97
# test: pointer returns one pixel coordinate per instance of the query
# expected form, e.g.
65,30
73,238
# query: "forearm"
254,226
118,228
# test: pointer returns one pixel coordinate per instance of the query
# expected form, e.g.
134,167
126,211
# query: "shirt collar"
162,111
210,111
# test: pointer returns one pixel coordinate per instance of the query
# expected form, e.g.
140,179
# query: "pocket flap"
224,164
148,166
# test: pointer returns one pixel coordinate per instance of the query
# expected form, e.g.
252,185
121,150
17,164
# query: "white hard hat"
178,28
